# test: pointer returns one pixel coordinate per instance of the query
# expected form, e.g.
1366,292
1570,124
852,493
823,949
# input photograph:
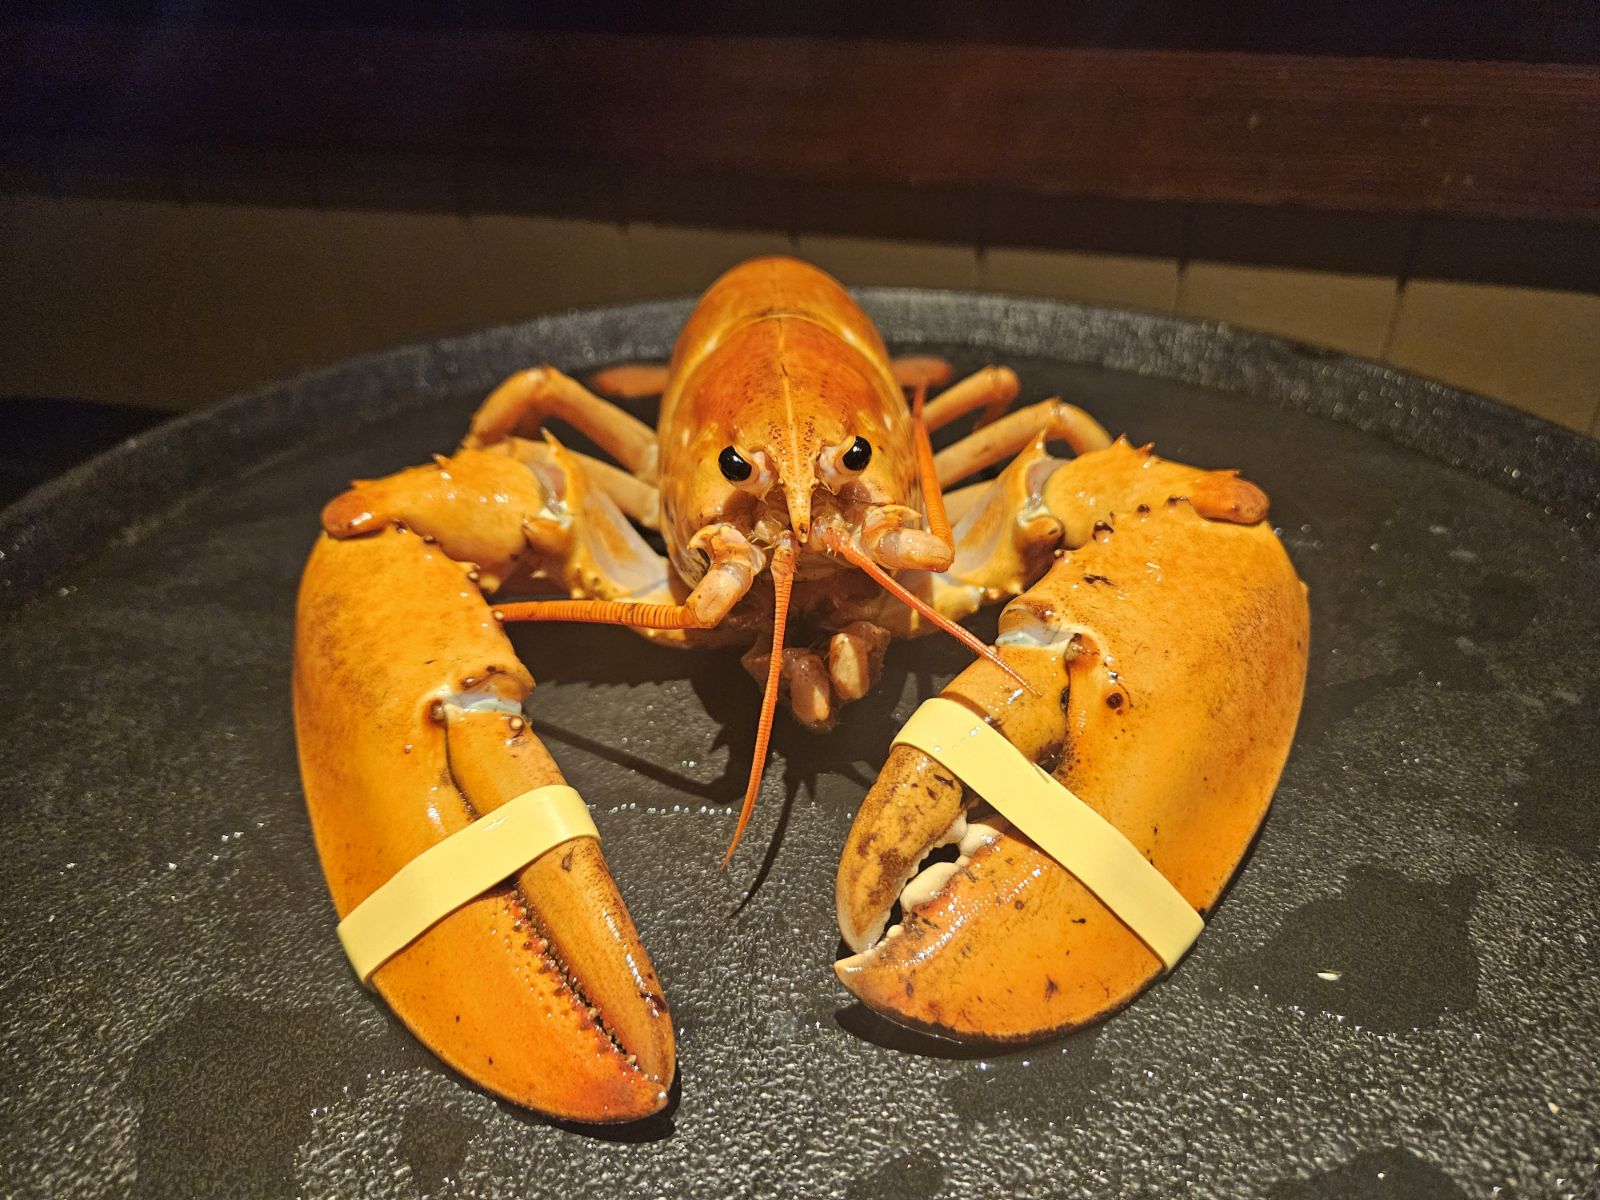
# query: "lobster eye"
858,456
734,468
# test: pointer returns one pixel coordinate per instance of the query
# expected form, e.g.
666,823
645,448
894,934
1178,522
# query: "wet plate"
1398,997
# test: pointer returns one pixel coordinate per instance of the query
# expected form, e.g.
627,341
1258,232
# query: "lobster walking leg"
991,389
1054,419
633,381
920,371
638,499
525,401
855,659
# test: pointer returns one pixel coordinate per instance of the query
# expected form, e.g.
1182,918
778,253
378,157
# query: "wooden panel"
167,305
1348,312
530,265
667,260
1344,243
1118,280
404,276
262,296
110,304
1539,350
39,241
1532,254
1089,226
874,261
1363,134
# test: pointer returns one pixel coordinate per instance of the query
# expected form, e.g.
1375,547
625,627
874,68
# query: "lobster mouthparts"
1168,654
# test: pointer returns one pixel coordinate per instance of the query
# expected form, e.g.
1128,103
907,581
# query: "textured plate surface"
1400,996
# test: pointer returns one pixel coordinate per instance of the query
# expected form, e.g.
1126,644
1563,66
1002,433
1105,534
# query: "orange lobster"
1154,658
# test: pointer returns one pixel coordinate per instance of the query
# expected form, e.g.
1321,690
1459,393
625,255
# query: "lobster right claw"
1167,657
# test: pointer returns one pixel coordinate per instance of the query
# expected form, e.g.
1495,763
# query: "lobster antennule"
782,584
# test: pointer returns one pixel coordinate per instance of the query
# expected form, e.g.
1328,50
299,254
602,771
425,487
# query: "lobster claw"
408,714
1167,656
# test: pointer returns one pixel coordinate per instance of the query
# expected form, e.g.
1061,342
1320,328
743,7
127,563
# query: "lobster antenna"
782,583
927,473
933,616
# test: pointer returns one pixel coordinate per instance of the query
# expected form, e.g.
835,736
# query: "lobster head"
785,418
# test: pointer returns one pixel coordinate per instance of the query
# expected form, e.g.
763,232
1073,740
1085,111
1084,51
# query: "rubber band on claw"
459,869
1061,824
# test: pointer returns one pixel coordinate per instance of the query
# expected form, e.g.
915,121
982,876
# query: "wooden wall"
172,302
187,210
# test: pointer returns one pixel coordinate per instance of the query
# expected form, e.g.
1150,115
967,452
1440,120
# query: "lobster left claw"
408,712
1167,656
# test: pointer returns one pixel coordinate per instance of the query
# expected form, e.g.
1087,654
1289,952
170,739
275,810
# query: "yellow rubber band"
461,868
1063,826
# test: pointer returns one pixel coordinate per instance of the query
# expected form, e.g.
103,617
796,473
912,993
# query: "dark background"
1262,164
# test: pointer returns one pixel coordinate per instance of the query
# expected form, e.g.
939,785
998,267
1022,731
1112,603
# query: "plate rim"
57,526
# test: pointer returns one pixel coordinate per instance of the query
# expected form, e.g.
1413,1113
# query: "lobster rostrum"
1153,659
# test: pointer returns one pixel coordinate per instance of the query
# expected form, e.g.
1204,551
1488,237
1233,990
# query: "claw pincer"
1167,652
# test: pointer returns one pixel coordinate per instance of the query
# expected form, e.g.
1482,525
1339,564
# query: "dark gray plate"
1399,996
